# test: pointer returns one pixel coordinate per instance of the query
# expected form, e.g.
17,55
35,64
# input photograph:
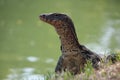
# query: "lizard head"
56,19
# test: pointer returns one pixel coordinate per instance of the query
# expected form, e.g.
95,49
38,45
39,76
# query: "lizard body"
74,55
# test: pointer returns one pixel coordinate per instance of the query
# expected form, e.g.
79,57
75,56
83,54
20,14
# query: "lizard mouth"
43,18
46,18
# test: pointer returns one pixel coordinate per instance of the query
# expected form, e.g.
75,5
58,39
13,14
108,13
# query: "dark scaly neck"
68,37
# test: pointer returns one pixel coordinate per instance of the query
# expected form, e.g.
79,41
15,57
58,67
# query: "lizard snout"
42,17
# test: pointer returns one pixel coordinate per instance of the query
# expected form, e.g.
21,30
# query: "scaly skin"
74,55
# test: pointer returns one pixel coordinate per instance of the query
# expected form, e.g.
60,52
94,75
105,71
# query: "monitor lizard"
74,55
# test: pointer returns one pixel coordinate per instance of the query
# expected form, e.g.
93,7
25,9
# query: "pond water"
30,48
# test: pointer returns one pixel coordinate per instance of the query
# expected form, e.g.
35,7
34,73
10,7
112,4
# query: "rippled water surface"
30,48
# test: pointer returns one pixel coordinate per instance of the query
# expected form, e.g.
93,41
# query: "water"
105,40
24,74
32,59
29,48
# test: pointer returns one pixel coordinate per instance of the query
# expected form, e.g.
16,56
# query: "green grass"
89,72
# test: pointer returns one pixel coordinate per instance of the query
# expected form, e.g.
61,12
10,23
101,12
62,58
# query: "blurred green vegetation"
22,34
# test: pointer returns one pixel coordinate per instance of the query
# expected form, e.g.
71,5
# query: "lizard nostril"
42,16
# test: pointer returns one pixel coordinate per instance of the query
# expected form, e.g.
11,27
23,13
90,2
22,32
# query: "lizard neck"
68,38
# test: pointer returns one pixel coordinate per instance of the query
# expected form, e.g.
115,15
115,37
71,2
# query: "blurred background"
30,48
